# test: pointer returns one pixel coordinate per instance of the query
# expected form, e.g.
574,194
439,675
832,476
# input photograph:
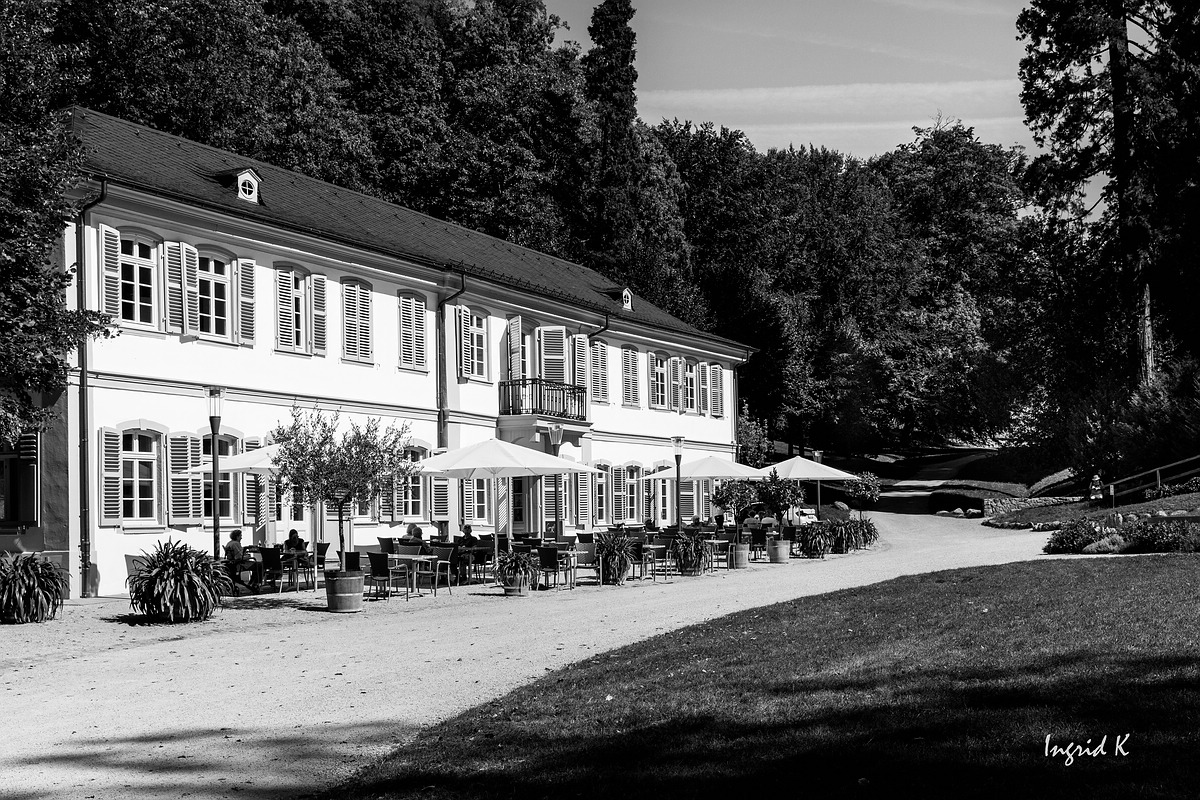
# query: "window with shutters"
690,388
411,488
716,379
19,481
301,317
600,483
662,499
356,321
412,332
225,495
141,491
658,379
213,296
599,354
139,280
477,499
632,494
472,343
629,377
289,504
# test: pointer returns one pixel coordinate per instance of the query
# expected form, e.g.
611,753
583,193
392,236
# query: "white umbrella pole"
818,499
495,530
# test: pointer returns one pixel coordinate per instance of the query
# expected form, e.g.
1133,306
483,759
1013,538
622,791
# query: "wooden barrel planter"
344,590
779,551
739,556
518,589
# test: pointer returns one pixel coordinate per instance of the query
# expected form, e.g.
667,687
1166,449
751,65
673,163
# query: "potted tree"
338,469
516,572
778,495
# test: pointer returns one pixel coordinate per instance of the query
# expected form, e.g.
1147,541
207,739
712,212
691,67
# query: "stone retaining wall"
994,506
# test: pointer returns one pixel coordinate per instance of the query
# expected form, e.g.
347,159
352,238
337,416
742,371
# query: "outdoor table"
412,570
295,560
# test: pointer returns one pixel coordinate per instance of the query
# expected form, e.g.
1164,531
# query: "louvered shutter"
110,271
515,337
687,501
412,332
110,477
267,508
503,490
245,268
629,377
252,486
583,500
319,335
467,498
579,360
183,450
285,322
600,371
717,378
650,399
462,316
547,500
173,263
388,499
705,487
648,499
191,289
552,353
675,387
618,494
439,505
702,377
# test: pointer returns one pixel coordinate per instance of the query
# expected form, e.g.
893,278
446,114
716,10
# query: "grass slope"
942,685
1180,502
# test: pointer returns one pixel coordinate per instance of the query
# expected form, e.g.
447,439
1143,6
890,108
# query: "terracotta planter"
344,591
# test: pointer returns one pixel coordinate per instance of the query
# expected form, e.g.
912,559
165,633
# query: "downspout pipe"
603,329
443,371
85,495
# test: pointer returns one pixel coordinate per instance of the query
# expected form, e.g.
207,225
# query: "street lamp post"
556,432
214,425
677,443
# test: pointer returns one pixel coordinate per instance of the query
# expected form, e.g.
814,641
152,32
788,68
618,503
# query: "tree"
862,491
753,443
39,165
340,469
779,494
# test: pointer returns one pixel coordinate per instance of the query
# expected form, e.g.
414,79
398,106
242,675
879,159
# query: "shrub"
615,551
31,588
1170,490
814,539
1112,543
178,584
513,568
688,551
863,491
1075,535
852,534
1161,536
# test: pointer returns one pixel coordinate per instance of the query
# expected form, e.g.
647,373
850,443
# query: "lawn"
942,685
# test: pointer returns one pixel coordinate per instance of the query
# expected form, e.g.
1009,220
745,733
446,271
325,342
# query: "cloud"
861,118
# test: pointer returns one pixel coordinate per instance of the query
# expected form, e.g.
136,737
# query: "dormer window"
627,300
247,185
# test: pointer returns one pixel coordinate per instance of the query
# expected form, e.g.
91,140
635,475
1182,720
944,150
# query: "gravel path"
274,698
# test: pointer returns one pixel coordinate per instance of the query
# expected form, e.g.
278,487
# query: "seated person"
237,561
413,531
463,558
769,521
752,521
295,544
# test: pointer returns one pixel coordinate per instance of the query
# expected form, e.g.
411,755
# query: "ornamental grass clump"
852,534
815,539
31,588
688,550
517,569
178,584
615,552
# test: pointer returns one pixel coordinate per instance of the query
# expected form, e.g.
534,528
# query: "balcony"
538,397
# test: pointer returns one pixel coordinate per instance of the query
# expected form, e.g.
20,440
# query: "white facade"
278,318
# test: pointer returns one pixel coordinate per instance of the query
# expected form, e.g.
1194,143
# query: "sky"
852,75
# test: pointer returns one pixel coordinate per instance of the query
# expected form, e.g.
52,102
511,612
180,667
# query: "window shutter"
515,337
463,324
285,335
466,490
182,506
191,288
629,377
579,360
252,486
387,499
650,359
706,499
110,271
687,501
618,494
412,332
702,377
600,371
350,326
173,260
503,489
272,492
675,387
110,477
552,353
439,506
318,315
717,377
245,306
648,499
583,500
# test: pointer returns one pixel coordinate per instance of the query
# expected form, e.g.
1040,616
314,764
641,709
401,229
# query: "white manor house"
226,273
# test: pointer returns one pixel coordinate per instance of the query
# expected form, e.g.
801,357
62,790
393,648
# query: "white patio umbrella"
254,462
709,467
494,458
799,468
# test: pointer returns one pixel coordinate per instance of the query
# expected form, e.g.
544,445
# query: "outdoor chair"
585,538
134,565
420,570
552,562
445,560
352,561
585,558
642,557
383,574
522,547
789,535
387,545
668,561
758,542
272,560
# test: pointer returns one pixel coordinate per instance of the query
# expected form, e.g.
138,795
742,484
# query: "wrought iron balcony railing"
548,398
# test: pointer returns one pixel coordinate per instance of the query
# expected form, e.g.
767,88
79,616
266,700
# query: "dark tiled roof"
197,174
